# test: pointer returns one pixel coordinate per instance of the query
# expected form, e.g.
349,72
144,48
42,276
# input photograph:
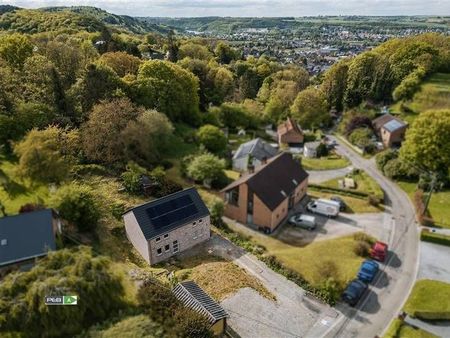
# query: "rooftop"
257,148
169,212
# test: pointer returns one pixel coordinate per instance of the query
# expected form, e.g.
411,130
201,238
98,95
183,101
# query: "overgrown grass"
354,204
429,300
330,162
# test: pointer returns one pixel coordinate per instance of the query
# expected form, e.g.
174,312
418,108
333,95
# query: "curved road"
390,290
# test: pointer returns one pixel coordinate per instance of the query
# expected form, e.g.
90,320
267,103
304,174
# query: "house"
25,237
262,198
390,129
252,153
174,223
310,149
289,132
193,297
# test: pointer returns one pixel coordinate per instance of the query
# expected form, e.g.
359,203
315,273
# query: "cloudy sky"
252,7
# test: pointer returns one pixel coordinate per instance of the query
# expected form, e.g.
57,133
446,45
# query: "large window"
175,246
233,196
167,247
159,251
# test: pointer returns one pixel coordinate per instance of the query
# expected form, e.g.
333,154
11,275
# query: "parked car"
368,270
324,207
341,202
379,251
303,221
354,291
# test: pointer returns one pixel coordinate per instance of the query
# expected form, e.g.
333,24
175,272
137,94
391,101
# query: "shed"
193,296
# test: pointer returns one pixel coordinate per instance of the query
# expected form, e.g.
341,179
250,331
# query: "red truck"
379,251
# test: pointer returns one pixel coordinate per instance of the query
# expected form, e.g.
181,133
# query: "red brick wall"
239,213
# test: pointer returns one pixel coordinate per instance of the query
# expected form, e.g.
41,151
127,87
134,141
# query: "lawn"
325,163
434,93
310,260
399,329
354,204
429,299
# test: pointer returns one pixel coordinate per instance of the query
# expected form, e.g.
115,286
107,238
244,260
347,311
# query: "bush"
77,204
322,150
384,157
190,324
132,178
373,200
362,248
432,237
216,209
363,237
157,300
212,138
30,207
419,205
205,167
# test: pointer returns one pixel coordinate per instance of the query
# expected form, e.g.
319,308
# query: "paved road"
319,176
391,289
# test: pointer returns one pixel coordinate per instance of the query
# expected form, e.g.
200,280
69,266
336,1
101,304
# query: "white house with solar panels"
164,227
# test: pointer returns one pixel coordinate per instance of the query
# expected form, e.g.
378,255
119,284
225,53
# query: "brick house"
390,129
263,198
26,237
174,223
289,132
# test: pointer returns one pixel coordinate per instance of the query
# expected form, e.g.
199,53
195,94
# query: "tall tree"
310,108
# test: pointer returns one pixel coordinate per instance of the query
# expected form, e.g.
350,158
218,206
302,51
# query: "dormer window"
294,181
283,193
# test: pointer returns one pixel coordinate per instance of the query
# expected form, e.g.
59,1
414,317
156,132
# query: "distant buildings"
161,228
263,198
290,133
26,237
390,129
252,154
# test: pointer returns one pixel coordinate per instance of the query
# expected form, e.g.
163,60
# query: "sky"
255,8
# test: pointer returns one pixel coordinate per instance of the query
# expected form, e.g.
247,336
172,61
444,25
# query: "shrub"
322,150
216,210
132,178
190,324
373,200
212,138
363,237
205,167
157,300
77,204
432,237
30,207
362,248
384,157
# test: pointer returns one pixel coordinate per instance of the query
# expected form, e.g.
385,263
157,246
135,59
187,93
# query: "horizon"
252,8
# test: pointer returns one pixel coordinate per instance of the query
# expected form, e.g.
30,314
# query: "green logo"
70,300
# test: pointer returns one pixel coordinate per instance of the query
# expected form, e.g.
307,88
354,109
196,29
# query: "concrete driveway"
434,262
319,176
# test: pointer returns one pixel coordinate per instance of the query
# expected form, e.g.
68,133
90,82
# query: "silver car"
303,221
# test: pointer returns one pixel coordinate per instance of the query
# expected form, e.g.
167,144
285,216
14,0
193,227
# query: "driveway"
293,314
434,262
394,283
319,176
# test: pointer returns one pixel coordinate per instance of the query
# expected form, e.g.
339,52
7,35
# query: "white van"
324,207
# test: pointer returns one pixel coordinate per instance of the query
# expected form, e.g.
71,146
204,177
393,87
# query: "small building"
390,129
263,198
290,133
310,149
26,237
193,297
174,223
252,153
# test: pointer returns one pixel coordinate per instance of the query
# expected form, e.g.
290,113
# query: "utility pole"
430,192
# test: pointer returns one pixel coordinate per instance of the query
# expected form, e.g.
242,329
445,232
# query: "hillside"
70,19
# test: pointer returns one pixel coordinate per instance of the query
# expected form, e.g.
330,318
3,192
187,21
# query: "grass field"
434,93
325,163
354,204
399,329
310,260
429,299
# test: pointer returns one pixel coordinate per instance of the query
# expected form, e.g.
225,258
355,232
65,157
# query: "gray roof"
192,296
312,145
169,212
393,125
258,148
27,236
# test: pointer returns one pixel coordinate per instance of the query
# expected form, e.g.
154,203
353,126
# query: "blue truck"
368,270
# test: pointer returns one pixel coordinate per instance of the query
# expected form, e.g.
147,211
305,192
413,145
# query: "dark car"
368,270
354,292
341,202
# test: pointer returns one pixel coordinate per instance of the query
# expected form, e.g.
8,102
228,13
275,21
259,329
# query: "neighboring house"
310,149
174,223
193,297
290,133
262,198
252,153
25,237
390,129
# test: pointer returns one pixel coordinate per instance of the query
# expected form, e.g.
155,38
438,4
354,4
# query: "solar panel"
172,211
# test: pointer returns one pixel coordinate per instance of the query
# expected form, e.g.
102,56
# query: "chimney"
251,168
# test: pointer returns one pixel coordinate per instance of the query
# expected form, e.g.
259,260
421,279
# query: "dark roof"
258,148
192,296
274,181
169,212
27,235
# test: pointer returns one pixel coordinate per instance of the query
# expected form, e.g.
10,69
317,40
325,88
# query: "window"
166,236
167,247
175,242
200,220
157,239
194,224
195,234
175,246
159,252
233,196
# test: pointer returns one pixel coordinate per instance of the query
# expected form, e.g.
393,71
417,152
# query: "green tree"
361,137
212,138
194,51
310,108
122,63
427,141
205,167
334,85
78,205
224,53
15,49
47,155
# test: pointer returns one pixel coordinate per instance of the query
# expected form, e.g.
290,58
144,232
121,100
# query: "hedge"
432,237
357,194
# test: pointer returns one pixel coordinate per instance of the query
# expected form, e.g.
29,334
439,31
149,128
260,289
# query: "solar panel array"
172,211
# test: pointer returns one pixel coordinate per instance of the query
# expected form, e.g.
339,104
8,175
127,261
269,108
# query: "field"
364,183
325,163
430,300
434,93
336,256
